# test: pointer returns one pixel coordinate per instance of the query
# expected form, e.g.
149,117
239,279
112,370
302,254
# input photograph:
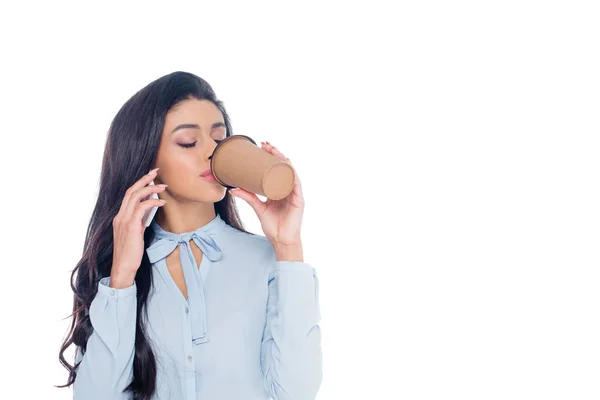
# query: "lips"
206,173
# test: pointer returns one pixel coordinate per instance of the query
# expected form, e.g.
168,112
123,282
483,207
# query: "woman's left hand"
281,220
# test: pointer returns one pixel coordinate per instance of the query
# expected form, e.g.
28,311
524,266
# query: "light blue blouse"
248,330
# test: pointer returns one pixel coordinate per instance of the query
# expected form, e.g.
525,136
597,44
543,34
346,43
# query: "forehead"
193,111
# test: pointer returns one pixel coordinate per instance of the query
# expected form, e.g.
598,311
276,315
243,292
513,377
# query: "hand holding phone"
128,233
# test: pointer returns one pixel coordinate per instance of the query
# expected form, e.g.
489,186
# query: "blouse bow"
165,244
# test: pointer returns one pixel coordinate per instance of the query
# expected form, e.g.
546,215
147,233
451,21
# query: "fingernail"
162,184
153,171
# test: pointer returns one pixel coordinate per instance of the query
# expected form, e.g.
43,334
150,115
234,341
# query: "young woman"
192,307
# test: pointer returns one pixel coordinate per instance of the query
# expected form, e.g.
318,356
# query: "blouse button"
112,292
189,358
187,310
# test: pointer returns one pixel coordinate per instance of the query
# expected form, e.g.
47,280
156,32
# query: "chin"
213,193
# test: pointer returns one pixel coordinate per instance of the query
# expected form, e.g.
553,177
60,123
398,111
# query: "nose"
210,148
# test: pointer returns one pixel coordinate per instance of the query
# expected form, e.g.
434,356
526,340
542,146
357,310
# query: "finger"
275,151
140,183
297,190
145,205
141,195
257,205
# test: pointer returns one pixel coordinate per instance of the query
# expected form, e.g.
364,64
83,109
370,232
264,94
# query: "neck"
184,217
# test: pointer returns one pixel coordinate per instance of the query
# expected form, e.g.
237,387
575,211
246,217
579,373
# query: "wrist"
289,253
121,280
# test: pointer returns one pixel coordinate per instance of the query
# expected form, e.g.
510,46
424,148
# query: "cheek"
179,159
175,170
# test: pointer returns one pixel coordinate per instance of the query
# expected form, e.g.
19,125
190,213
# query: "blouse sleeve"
291,356
107,366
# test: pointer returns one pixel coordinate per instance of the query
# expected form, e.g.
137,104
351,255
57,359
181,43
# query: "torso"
174,266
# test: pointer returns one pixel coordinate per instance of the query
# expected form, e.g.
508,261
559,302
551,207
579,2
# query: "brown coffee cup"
238,162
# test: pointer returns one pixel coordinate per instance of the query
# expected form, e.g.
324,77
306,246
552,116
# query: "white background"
448,153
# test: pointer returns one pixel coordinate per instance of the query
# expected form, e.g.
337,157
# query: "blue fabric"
248,329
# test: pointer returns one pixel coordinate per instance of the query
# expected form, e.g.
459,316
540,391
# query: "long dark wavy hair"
131,149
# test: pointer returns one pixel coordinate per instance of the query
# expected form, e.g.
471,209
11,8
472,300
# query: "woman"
192,307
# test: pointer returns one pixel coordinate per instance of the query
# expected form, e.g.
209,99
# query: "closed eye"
188,145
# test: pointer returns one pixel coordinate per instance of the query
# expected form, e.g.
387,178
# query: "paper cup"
238,162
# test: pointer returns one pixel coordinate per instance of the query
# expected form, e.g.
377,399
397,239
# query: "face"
188,139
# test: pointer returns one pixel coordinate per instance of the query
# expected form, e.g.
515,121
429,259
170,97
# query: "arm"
107,366
291,356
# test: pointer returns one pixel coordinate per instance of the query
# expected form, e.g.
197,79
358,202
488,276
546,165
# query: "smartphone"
149,214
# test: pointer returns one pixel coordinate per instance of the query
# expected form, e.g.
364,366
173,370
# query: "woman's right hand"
128,230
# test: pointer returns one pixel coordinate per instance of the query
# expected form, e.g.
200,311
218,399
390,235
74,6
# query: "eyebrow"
196,126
